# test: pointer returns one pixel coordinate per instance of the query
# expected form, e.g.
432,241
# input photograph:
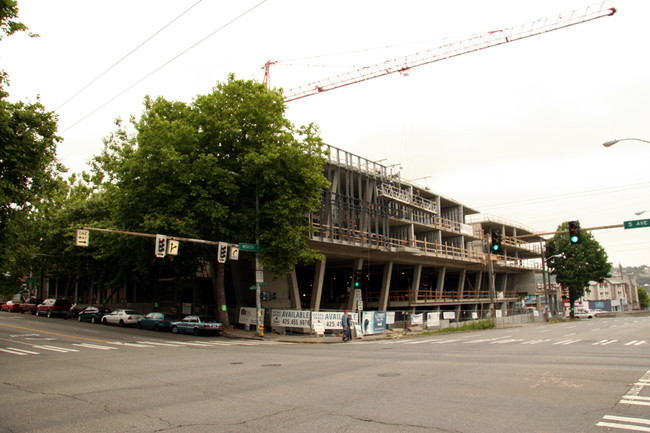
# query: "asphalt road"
581,376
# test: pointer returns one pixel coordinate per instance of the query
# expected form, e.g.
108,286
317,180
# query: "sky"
514,131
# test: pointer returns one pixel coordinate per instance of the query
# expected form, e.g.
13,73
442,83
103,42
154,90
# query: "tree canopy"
575,265
227,167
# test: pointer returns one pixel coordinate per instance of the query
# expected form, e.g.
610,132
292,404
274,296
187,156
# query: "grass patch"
474,326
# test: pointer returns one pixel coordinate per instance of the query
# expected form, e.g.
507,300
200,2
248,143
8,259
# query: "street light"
613,142
640,212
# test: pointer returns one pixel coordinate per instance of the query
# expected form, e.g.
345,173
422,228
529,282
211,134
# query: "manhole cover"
388,374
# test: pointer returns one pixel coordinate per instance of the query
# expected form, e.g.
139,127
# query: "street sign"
81,240
250,247
259,276
234,253
172,247
636,224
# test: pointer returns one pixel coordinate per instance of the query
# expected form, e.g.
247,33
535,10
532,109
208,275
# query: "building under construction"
395,245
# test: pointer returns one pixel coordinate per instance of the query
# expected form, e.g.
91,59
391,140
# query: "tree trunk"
218,286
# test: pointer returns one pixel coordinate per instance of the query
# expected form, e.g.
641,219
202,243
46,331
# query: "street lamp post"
613,142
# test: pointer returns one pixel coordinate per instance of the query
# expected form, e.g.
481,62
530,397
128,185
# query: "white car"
586,314
122,318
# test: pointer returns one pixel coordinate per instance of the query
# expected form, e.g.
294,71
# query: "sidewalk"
313,339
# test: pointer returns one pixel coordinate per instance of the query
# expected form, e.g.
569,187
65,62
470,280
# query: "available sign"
636,224
291,318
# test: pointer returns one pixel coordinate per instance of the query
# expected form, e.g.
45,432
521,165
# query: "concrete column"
385,286
294,292
415,289
461,283
317,289
478,283
441,282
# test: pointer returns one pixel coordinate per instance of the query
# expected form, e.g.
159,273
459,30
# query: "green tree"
644,300
575,265
29,170
227,167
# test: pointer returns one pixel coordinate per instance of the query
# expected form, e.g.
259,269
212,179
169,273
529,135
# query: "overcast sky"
515,131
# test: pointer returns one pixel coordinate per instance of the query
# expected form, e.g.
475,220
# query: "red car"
11,306
54,307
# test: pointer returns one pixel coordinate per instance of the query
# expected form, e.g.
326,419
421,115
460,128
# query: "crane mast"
454,49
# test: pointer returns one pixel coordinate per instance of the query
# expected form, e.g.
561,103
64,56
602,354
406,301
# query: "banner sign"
416,319
433,319
291,318
247,315
329,319
374,322
390,317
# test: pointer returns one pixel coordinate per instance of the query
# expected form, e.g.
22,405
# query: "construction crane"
473,44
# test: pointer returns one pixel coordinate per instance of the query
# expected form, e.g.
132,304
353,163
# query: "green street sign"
249,247
636,224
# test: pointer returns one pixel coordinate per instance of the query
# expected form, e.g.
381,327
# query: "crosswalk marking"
603,342
55,348
21,352
567,342
94,346
623,419
635,343
157,343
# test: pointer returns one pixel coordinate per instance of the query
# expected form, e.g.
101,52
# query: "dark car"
93,314
54,307
30,305
156,321
197,325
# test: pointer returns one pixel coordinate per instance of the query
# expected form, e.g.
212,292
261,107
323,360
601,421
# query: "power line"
127,55
162,66
568,196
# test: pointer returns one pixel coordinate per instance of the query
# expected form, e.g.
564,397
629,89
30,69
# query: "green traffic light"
495,248
574,239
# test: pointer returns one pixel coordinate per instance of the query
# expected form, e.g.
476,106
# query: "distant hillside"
642,273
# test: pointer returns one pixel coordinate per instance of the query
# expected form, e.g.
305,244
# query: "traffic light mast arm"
454,49
149,235
613,226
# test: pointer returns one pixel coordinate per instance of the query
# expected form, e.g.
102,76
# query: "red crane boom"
476,43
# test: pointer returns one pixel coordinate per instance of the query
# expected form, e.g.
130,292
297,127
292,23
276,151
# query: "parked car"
122,317
93,314
197,325
11,306
30,305
156,321
54,307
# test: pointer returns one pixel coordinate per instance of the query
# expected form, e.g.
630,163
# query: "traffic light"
495,246
574,232
359,279
223,252
161,246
